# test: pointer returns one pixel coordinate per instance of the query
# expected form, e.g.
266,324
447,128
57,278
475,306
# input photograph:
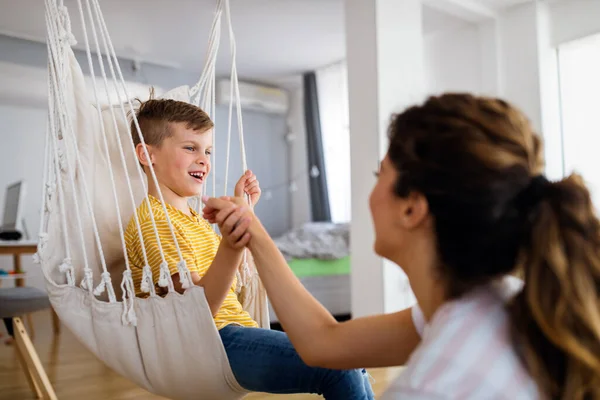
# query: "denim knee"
348,384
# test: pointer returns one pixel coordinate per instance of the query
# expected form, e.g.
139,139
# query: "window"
579,74
332,88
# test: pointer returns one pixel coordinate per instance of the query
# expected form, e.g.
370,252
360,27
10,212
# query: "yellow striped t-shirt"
198,244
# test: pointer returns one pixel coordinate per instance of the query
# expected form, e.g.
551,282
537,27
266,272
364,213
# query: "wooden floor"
76,373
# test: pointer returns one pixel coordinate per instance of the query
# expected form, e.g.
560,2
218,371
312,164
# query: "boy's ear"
141,154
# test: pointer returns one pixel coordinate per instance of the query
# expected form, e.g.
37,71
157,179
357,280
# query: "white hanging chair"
92,185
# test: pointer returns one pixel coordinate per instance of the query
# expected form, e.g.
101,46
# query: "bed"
318,254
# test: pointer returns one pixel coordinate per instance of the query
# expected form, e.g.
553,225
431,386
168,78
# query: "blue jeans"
265,361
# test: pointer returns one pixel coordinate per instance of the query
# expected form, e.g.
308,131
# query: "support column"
529,70
384,50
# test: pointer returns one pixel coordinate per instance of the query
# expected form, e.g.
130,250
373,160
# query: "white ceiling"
275,38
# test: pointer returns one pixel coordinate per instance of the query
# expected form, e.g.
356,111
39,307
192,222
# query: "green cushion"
313,267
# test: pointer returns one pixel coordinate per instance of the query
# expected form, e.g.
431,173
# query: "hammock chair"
92,185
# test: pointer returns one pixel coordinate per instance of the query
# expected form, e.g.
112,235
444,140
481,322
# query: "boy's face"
182,162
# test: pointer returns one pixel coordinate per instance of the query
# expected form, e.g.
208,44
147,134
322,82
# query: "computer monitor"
13,206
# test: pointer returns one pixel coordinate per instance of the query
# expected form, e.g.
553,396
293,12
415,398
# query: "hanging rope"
245,273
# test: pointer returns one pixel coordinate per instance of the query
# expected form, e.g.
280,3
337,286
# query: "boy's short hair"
155,117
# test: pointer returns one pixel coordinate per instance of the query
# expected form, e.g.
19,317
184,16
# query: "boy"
178,141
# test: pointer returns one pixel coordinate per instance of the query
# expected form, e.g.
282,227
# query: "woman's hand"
232,216
231,213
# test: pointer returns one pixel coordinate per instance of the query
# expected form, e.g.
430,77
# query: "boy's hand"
248,184
233,221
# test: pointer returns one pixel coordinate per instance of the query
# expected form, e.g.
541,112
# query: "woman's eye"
376,173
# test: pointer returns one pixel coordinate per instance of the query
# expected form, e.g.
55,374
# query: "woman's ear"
141,154
415,210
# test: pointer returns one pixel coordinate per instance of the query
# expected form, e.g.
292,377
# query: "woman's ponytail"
557,315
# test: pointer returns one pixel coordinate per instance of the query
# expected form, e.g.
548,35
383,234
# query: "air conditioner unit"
254,97
28,86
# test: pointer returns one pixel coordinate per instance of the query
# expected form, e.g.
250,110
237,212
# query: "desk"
16,248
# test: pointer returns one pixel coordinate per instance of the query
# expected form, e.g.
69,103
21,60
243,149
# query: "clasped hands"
234,216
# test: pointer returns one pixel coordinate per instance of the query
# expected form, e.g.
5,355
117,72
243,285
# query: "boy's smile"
198,176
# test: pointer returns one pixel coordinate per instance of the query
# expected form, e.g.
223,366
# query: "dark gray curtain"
319,198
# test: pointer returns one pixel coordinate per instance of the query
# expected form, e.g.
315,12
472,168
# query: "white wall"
518,62
22,157
453,61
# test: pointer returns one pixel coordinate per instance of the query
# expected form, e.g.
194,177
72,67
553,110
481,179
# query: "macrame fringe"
62,161
184,275
87,281
50,190
66,267
238,282
247,272
42,241
104,284
164,274
146,284
127,288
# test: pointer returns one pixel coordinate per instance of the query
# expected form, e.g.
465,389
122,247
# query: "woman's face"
382,202
401,225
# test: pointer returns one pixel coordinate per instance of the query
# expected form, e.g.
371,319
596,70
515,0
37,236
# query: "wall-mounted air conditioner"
23,85
254,97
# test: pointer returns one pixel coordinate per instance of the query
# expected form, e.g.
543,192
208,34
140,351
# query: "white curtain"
332,88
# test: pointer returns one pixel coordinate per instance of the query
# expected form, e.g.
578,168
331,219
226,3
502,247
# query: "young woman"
460,205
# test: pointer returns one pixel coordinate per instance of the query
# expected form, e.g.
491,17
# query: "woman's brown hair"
479,164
